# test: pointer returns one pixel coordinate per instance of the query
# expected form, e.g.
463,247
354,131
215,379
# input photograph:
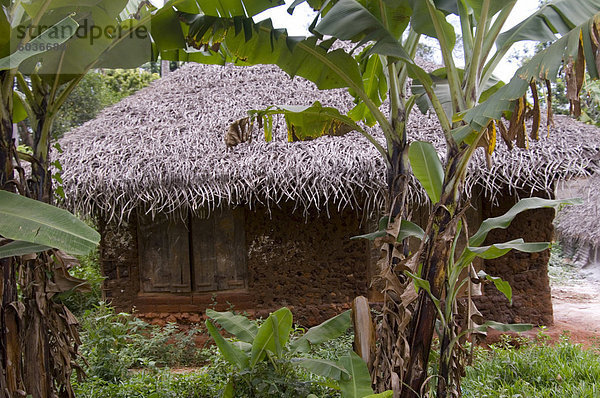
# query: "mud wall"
527,273
304,261
309,263
119,262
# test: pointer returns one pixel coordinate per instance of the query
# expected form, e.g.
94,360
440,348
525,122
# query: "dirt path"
576,304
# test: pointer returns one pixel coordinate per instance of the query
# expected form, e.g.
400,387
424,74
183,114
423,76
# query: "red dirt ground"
576,304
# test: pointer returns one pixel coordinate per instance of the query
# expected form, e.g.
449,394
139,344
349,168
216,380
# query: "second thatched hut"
578,227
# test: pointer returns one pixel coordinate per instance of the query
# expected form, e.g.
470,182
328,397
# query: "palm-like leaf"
47,40
44,224
558,17
259,43
544,65
236,8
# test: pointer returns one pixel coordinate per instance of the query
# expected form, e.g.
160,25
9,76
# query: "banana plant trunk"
26,332
422,324
6,131
37,353
10,345
397,180
438,249
40,184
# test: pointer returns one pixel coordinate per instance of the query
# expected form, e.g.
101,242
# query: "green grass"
534,370
150,384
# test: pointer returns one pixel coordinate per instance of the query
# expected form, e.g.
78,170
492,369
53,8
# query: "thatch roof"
582,222
162,149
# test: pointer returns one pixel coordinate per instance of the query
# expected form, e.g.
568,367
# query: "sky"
303,15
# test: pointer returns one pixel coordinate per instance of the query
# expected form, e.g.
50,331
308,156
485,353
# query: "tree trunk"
38,377
422,324
40,184
10,347
6,133
435,256
387,367
38,338
11,377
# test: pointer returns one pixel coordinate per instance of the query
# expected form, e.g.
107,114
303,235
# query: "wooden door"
164,255
219,251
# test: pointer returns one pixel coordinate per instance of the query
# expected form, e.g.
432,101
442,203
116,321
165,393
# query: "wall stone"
119,262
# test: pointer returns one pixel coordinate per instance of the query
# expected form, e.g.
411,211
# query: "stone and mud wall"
308,263
527,273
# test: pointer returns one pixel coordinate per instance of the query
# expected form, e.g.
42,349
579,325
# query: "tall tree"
469,103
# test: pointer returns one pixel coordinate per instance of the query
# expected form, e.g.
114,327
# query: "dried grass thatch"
582,223
162,150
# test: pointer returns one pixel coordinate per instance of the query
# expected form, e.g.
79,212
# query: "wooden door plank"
204,255
163,252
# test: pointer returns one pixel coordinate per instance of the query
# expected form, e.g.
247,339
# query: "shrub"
89,270
113,343
270,360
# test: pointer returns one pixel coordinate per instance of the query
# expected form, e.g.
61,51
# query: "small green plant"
534,370
267,362
113,343
150,384
89,270
106,339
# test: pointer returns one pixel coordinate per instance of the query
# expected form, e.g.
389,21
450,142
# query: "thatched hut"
186,222
578,227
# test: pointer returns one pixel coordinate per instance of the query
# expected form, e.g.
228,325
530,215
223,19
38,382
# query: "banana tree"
46,47
272,345
468,101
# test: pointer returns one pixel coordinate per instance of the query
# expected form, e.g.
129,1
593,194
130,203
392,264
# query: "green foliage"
113,343
590,100
88,269
122,83
270,362
331,349
534,370
43,224
162,384
427,168
359,385
105,342
504,220
307,122
501,371
41,43
590,104
96,91
289,381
